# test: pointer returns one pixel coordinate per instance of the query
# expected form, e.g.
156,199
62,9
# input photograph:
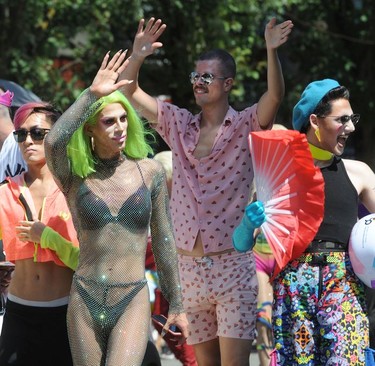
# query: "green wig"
79,148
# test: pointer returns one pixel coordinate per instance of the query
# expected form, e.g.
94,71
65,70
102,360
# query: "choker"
320,154
111,162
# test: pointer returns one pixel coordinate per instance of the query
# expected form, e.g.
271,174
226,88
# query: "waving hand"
145,41
105,81
277,34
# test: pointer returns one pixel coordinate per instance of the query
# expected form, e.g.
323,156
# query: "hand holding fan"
291,189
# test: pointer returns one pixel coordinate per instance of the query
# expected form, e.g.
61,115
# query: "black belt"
321,259
319,246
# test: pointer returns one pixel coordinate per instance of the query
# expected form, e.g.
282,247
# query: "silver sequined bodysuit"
112,210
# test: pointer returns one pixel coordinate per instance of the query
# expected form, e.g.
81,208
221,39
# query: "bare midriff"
40,281
198,250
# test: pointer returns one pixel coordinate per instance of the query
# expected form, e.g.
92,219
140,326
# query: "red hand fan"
291,189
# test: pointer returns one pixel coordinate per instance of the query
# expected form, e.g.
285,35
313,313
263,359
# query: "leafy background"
54,48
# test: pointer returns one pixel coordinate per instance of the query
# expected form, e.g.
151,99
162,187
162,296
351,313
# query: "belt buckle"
330,245
206,262
318,259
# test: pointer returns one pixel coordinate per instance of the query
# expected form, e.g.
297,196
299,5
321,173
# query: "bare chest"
206,141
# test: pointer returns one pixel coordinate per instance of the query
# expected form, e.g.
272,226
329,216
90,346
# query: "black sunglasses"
346,118
36,133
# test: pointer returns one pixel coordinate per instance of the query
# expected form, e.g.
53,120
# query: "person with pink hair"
39,237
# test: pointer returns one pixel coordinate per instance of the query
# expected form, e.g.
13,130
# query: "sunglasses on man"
206,77
345,118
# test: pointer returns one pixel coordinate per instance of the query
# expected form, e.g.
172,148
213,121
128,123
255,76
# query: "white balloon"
362,249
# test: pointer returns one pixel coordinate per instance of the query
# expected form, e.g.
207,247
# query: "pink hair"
25,111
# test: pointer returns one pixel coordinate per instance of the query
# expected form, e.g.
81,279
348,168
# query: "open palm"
277,34
105,81
145,39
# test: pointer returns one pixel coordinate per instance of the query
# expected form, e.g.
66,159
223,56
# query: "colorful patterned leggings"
319,313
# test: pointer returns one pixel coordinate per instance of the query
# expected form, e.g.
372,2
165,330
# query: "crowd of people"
83,200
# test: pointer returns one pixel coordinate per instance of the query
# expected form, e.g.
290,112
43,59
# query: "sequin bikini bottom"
96,297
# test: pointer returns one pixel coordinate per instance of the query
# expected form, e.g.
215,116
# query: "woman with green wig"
98,152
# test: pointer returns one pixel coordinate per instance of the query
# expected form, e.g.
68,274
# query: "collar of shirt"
195,122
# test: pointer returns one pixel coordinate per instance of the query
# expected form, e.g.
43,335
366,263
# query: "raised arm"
145,43
57,140
275,36
104,83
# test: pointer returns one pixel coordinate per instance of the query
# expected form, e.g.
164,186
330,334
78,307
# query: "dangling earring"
317,134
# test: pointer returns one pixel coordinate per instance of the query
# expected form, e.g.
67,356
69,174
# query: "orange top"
55,214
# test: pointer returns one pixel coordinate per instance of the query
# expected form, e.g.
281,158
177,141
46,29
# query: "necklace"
111,162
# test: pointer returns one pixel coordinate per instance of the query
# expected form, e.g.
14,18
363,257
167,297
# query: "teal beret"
310,98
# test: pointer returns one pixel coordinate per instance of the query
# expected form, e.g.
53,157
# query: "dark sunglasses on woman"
36,133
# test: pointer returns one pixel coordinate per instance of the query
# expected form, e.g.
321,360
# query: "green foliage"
44,41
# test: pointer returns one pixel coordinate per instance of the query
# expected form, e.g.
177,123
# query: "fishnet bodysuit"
112,209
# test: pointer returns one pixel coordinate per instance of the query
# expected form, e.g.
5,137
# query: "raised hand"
255,214
243,235
145,40
105,81
277,34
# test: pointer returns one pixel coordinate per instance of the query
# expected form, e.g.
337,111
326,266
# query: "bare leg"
83,344
128,340
94,343
208,353
265,338
235,352
225,351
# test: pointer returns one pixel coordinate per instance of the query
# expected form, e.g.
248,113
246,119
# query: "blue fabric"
310,98
370,357
243,235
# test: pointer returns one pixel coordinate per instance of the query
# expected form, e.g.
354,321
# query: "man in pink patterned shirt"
212,177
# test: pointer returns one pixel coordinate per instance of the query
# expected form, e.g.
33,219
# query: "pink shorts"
219,296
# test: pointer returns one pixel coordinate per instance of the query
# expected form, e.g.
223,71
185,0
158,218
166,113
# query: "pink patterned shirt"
208,194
